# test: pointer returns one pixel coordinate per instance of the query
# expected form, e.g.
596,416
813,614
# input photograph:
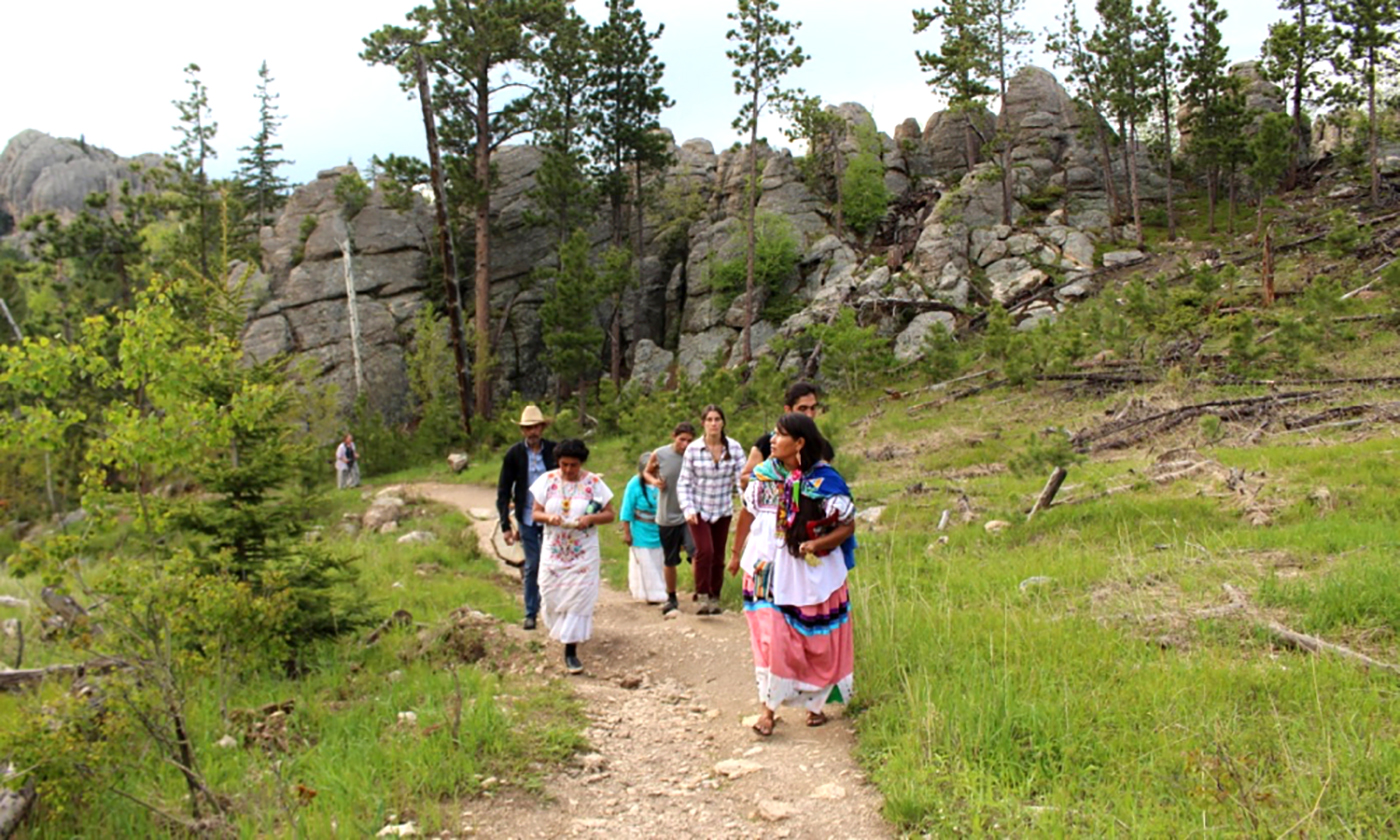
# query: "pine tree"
199,203
571,336
1292,54
1004,38
764,51
1087,74
961,67
1270,150
1117,47
1213,99
562,120
1158,53
627,99
264,186
462,48
1366,40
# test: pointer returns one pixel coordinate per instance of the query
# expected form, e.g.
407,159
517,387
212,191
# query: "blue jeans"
531,536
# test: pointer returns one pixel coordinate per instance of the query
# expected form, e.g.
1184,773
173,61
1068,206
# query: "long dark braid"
814,449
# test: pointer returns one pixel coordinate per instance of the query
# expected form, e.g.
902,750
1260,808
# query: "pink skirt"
800,653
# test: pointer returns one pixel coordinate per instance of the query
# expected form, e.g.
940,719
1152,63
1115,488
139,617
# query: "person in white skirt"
646,577
570,502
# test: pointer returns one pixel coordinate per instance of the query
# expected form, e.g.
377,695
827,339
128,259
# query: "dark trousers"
531,536
710,540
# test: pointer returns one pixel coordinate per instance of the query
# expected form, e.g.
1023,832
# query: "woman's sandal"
764,726
816,718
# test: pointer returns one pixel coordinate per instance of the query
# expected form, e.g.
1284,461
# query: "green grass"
348,763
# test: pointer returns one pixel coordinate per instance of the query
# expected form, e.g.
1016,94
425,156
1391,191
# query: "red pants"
710,540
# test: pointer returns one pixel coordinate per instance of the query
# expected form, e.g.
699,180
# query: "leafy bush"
850,352
776,253
1345,237
864,196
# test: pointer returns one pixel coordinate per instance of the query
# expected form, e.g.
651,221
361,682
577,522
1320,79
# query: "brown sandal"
764,726
816,718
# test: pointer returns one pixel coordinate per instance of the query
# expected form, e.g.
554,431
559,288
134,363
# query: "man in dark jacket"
525,461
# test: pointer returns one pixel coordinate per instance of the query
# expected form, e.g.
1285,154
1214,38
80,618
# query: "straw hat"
531,416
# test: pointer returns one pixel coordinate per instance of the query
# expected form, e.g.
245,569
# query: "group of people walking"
794,541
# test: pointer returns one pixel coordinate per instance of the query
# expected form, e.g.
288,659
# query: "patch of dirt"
669,704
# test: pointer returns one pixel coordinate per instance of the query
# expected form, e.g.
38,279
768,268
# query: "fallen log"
14,806
1047,495
12,680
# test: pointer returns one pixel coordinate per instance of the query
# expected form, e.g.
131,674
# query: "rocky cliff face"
940,249
39,173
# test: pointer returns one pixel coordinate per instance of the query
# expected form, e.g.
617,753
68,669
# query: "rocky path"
669,704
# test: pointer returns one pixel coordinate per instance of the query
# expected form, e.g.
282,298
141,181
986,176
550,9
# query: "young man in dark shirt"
800,397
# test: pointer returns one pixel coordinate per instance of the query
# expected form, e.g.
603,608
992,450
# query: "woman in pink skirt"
795,543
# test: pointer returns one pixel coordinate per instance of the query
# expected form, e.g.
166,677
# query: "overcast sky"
109,71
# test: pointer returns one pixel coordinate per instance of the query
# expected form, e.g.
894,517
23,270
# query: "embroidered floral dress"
569,558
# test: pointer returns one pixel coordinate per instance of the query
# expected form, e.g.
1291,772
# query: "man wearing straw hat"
525,461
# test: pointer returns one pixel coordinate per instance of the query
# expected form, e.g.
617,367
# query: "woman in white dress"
570,502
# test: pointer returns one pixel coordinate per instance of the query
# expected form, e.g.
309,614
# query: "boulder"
910,343
945,143
651,365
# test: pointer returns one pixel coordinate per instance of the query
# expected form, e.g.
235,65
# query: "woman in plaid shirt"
706,487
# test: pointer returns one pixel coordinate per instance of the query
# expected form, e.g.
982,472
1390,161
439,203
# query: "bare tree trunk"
1373,146
481,367
1268,266
751,202
1114,202
1133,190
453,290
349,266
1212,191
1167,137
1006,182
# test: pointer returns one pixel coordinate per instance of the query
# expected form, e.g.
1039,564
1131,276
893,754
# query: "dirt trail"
669,704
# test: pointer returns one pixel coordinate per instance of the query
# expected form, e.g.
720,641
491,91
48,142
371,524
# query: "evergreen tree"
1270,151
199,204
265,188
1158,52
823,167
1366,41
571,335
1004,38
1292,54
1086,73
1116,43
1215,104
961,67
562,119
764,51
627,100
466,48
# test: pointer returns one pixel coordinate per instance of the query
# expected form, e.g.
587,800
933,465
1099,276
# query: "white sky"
111,70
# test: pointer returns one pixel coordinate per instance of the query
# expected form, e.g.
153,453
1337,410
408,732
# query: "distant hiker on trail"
646,559
663,471
795,543
347,464
708,481
570,502
523,464
800,397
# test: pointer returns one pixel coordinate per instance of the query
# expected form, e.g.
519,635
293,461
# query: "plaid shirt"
707,487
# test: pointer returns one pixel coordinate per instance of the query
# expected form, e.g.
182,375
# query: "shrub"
776,255
1346,236
864,196
850,352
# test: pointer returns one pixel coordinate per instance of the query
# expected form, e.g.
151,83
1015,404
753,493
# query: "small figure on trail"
570,502
663,471
795,543
347,464
524,463
646,559
800,397
708,481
